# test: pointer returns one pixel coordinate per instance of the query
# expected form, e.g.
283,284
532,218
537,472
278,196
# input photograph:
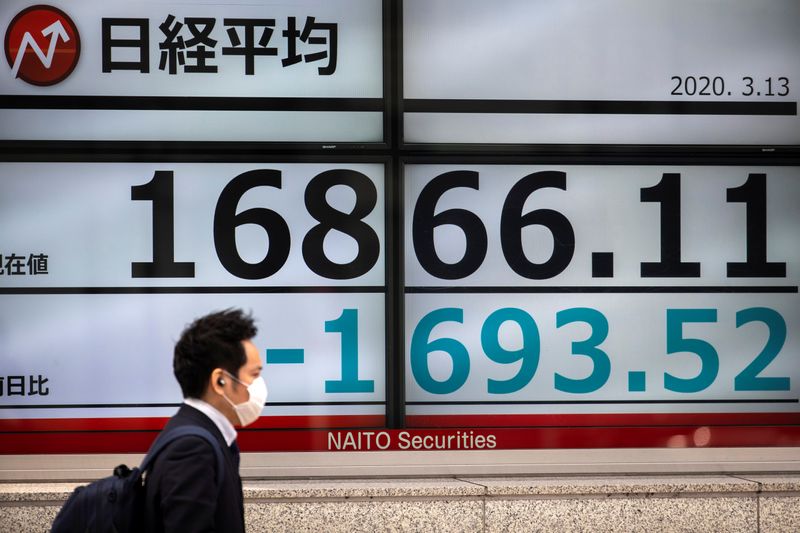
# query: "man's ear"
217,381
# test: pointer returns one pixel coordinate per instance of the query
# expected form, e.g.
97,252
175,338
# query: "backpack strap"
185,431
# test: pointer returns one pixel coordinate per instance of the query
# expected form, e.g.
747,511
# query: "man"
219,371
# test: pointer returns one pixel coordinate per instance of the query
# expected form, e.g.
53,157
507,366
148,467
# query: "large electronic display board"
103,264
605,72
602,296
540,232
297,72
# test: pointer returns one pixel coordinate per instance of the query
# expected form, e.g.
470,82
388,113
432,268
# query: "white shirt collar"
221,421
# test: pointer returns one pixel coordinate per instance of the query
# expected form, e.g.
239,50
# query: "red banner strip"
423,439
450,432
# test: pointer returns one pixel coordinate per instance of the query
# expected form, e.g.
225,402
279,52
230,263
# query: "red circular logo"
42,45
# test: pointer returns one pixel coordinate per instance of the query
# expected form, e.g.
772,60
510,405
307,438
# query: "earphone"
221,381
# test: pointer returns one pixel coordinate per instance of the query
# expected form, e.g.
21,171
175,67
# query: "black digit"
159,190
351,224
749,85
719,90
690,89
784,85
753,193
704,90
769,87
512,221
226,220
425,222
668,193
677,89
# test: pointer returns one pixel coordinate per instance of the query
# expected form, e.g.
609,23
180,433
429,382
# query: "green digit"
421,347
749,379
589,347
709,360
528,354
347,325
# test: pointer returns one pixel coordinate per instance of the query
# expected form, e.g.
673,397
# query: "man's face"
247,373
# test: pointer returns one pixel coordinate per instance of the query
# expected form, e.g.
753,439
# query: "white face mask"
249,411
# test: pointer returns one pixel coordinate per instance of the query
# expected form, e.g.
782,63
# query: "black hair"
212,341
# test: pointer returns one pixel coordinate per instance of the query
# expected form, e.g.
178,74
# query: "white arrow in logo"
54,30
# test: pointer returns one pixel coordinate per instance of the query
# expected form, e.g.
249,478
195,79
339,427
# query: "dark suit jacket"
181,491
